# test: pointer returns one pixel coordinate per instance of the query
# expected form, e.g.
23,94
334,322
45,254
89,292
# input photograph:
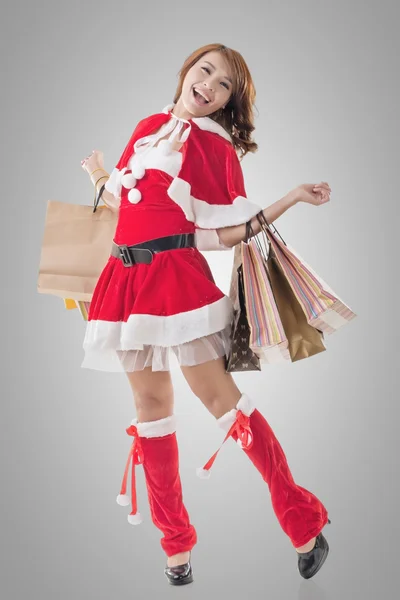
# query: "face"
212,78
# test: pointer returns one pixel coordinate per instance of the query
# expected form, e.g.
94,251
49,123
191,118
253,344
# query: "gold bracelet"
104,177
99,169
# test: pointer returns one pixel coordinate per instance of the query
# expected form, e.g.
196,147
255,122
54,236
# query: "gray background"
79,76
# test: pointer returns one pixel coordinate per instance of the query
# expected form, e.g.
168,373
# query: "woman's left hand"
314,193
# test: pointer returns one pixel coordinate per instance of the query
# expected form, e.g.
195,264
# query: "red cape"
209,187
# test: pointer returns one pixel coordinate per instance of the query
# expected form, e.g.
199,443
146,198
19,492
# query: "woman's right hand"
93,161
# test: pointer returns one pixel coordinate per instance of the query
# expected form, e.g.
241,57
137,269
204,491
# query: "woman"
178,187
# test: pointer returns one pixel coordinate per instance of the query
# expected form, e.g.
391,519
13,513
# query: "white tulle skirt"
190,353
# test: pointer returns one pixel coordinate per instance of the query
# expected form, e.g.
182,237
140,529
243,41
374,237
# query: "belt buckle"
125,256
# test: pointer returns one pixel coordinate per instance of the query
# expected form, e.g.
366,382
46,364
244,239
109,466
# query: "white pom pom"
165,147
134,196
203,473
123,500
128,181
135,519
138,171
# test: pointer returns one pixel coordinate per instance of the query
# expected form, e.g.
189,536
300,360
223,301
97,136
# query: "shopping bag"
240,357
267,335
323,308
278,288
83,306
76,246
301,340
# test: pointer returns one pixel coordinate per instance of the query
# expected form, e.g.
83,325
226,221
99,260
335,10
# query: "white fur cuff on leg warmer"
158,428
245,404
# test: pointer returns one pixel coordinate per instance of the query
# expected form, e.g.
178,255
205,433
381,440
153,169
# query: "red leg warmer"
300,514
155,446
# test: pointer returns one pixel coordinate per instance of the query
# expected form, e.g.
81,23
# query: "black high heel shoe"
309,563
180,574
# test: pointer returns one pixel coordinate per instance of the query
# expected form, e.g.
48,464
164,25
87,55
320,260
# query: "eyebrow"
228,78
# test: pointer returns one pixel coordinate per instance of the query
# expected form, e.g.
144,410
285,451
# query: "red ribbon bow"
243,430
136,454
241,426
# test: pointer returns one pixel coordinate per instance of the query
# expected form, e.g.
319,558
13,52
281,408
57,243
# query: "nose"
208,86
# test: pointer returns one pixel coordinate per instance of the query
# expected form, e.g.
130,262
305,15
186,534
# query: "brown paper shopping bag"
76,246
304,340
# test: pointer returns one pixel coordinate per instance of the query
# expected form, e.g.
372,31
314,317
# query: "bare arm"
231,236
98,178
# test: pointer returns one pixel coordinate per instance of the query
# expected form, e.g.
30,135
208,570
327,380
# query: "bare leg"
299,512
154,399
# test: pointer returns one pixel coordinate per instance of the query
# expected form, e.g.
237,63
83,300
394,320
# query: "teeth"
199,92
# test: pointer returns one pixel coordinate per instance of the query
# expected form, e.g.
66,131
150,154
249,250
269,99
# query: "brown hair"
237,116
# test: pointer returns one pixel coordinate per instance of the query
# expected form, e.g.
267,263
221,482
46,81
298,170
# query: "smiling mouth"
199,98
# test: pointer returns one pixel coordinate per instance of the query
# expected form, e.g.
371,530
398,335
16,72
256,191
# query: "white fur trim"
205,123
135,519
171,330
211,216
113,183
244,404
227,420
208,124
179,192
138,170
123,500
164,147
154,159
208,239
203,473
158,428
167,108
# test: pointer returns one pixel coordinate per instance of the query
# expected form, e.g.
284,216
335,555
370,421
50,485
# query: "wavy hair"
237,117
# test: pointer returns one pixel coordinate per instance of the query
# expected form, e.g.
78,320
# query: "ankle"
178,559
306,547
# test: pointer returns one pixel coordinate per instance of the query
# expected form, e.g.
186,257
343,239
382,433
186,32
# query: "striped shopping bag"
267,335
323,308
83,306
293,338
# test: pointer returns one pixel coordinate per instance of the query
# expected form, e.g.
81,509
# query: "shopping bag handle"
263,222
97,200
264,226
249,231
256,240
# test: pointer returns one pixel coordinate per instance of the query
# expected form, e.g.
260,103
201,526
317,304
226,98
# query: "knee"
151,407
222,406
219,404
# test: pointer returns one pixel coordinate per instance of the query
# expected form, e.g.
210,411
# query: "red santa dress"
142,314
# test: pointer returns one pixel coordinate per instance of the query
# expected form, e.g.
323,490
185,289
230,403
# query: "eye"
223,83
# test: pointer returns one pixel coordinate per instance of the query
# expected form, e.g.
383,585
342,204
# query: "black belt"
143,253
